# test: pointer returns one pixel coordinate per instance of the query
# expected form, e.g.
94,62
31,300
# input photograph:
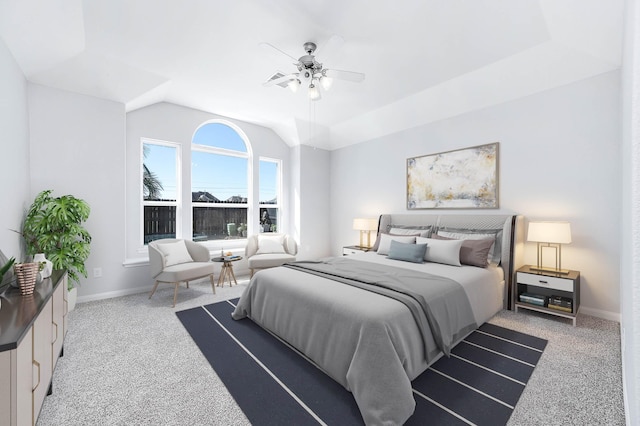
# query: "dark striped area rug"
273,384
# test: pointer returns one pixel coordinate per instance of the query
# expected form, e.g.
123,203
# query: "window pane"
268,182
219,223
268,220
218,178
159,222
219,136
159,172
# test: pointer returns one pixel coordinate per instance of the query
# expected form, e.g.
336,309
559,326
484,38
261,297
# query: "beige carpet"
128,360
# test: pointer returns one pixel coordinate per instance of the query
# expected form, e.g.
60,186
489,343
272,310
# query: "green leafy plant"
54,226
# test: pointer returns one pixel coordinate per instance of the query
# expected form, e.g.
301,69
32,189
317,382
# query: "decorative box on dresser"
546,285
347,250
33,329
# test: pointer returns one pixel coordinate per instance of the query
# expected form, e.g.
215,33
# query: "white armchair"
174,261
268,250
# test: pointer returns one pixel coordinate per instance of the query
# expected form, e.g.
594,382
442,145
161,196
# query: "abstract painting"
462,179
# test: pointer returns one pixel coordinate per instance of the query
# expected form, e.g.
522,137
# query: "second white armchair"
269,250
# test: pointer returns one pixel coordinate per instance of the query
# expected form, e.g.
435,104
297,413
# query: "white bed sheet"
484,286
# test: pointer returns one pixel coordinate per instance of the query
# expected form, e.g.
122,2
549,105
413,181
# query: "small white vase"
48,267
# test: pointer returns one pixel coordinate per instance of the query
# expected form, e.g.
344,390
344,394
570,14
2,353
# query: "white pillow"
442,251
175,253
385,242
269,245
269,236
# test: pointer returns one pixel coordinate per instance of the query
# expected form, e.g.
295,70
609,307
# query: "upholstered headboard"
511,236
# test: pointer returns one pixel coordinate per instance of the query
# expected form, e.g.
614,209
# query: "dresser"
32,330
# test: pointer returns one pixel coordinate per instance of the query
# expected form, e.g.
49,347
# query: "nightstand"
548,292
347,250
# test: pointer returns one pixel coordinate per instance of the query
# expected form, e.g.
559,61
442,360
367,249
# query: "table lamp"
550,235
365,225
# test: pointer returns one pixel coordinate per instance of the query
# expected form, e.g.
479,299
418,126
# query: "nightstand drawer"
555,283
349,250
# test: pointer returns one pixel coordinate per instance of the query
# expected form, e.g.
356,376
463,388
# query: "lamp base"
550,270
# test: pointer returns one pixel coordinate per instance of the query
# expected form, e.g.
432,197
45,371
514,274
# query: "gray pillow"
472,252
402,230
407,252
495,252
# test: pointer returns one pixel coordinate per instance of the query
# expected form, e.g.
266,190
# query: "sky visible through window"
222,176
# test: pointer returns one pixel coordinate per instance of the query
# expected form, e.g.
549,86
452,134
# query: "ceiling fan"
310,71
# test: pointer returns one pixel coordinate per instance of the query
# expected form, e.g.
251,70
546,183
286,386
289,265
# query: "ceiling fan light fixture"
326,82
314,93
293,85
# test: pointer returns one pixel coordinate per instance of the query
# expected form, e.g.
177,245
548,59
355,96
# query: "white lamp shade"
365,224
326,82
549,232
314,93
293,85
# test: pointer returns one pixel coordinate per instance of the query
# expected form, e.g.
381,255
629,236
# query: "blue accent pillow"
407,252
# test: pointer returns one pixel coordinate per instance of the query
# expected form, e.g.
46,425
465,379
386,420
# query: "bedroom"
561,158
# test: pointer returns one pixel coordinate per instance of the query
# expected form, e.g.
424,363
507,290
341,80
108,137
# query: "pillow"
407,252
495,252
472,252
376,245
441,251
174,253
410,231
269,246
385,241
269,236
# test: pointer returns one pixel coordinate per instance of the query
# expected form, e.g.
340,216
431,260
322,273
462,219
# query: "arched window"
220,182
218,167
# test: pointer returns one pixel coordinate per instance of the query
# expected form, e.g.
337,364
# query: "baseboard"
611,316
112,294
128,292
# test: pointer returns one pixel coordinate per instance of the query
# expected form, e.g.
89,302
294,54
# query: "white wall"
311,201
559,159
77,148
14,145
630,223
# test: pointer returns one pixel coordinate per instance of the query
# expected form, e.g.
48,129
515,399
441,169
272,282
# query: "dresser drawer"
555,283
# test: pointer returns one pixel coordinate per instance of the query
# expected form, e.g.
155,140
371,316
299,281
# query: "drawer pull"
543,282
37,364
56,332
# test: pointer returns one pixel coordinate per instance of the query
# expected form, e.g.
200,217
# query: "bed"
374,343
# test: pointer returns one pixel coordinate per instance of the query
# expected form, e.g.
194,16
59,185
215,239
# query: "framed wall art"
461,179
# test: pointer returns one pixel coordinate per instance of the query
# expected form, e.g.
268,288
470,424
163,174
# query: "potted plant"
6,267
54,226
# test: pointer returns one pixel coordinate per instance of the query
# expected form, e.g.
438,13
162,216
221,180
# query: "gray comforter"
372,342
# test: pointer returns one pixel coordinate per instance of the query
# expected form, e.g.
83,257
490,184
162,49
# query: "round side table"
227,269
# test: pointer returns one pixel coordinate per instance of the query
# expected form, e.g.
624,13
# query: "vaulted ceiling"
424,60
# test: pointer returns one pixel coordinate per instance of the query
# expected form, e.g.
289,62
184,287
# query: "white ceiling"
424,60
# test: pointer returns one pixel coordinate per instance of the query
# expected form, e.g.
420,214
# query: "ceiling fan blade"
278,80
271,46
356,77
332,46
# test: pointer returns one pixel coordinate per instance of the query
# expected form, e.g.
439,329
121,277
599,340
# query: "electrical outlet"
97,272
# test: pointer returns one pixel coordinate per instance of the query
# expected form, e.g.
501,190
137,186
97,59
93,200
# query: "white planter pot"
48,267
72,298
